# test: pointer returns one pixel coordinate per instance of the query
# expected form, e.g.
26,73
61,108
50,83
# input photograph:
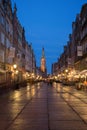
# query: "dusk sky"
48,24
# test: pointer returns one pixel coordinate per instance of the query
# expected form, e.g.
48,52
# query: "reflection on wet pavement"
43,107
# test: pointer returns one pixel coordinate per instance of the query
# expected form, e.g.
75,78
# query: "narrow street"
44,107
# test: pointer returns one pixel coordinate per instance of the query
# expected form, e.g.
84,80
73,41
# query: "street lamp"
66,75
15,75
66,71
15,66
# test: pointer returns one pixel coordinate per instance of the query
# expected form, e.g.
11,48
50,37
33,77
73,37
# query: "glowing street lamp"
66,70
16,71
15,66
15,75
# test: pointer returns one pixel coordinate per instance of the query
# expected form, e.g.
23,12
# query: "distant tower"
43,62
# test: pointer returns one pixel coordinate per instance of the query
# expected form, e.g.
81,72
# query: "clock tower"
43,63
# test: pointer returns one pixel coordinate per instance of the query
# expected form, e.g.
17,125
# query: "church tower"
43,62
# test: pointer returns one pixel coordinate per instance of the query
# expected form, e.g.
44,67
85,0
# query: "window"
2,20
7,43
7,27
2,38
1,56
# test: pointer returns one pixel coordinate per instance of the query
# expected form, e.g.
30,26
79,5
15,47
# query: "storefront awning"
2,71
83,72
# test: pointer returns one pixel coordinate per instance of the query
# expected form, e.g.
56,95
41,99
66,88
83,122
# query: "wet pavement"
43,107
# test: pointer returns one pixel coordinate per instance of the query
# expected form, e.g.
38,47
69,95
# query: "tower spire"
43,53
43,61
15,8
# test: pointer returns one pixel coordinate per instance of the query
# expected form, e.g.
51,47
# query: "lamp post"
66,75
14,67
15,76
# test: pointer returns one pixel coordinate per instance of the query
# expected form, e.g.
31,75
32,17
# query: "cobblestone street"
42,107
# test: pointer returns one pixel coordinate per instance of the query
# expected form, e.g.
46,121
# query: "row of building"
74,56
16,54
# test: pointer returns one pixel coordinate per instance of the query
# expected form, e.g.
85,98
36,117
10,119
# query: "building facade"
74,56
6,40
14,49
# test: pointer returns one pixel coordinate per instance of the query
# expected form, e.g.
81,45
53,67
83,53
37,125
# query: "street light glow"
14,66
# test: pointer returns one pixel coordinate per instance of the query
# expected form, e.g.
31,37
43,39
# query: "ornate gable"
8,8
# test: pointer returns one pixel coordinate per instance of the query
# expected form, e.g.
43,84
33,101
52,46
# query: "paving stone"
67,125
47,110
